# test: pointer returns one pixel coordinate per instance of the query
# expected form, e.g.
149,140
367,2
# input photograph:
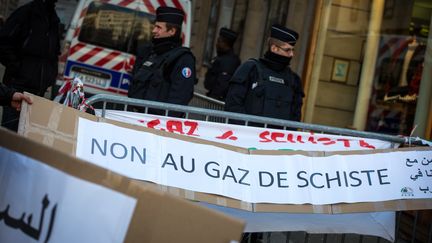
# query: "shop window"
399,68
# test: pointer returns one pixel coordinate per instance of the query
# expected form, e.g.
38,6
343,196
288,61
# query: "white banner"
248,137
42,204
285,179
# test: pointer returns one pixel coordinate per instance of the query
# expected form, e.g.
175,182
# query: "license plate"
91,80
91,77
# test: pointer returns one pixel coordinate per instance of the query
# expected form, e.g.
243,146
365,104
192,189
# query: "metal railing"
211,114
208,109
202,101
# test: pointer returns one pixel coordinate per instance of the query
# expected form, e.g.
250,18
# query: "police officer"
164,71
267,86
223,66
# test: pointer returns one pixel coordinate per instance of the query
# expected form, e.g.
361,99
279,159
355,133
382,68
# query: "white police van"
101,42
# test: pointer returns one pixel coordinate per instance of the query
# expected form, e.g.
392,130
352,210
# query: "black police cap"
284,34
228,34
169,15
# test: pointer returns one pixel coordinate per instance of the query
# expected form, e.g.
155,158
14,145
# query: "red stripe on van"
162,3
118,67
179,6
149,6
83,12
75,48
132,61
77,30
124,3
90,54
107,58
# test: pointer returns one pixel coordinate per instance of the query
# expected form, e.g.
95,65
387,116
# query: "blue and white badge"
186,72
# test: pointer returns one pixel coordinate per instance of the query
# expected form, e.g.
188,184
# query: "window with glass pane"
115,27
399,66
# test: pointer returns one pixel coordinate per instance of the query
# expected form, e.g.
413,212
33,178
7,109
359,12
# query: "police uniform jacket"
29,48
265,88
167,76
218,75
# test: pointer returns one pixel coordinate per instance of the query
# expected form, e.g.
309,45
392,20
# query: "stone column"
312,88
369,62
254,29
424,100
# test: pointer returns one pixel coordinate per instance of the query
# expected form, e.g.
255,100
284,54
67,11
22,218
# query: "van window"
115,27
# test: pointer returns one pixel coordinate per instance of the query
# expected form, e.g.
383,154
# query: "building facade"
363,63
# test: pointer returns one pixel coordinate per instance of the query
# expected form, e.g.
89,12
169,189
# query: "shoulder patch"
186,72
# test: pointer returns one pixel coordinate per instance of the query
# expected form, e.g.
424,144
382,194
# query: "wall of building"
340,68
345,38
340,71
252,20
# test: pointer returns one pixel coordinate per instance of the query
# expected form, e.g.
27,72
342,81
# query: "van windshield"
115,27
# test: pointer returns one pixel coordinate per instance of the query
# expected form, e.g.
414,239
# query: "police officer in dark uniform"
267,86
223,65
164,71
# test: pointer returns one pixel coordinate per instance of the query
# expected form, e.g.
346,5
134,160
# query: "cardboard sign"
66,205
49,195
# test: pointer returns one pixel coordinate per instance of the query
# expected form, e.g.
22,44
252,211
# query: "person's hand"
17,98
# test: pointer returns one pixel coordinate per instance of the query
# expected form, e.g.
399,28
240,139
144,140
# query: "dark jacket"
29,48
218,75
156,79
276,93
5,95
